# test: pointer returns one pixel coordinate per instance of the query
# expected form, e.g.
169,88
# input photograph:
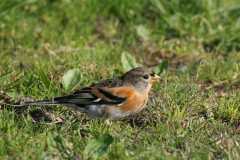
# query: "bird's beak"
156,79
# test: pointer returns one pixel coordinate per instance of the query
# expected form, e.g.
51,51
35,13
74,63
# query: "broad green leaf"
4,77
128,61
97,147
45,79
59,145
143,32
163,65
71,79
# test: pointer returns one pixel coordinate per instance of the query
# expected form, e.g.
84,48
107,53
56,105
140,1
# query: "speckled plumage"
113,98
132,76
112,82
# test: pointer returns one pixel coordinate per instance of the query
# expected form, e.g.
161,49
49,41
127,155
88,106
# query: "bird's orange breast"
134,103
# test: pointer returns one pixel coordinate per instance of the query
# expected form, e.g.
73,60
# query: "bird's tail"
45,102
54,102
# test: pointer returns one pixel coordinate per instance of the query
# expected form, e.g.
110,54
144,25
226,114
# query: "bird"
113,98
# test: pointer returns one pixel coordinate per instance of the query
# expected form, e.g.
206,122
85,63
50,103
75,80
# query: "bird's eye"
145,77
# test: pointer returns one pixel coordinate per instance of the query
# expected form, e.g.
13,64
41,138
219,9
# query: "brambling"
114,98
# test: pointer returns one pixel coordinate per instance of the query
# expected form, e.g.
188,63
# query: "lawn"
194,45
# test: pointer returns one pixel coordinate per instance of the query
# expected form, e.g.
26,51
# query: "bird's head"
140,78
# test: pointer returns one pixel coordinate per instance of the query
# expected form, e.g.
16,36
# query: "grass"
193,114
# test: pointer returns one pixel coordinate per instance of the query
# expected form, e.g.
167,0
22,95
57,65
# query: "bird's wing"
107,92
98,96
